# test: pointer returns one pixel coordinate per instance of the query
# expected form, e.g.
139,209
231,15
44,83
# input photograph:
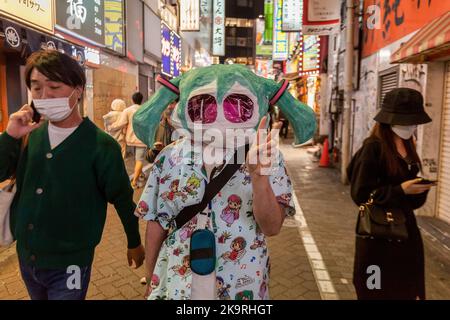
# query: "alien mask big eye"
238,108
202,108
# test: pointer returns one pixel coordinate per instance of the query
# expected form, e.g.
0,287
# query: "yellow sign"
36,13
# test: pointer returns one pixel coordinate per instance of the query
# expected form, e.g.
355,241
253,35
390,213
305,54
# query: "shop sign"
35,13
292,15
392,20
84,18
263,47
170,51
190,15
218,36
280,39
310,61
321,17
114,22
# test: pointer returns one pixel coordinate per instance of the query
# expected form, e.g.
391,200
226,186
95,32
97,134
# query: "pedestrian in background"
117,107
67,173
388,165
125,122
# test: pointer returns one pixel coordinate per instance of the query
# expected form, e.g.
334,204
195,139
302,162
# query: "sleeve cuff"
133,235
7,139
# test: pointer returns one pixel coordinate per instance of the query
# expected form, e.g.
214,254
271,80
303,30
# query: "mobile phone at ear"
36,114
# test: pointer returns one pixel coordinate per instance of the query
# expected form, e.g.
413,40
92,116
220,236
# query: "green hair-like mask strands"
300,115
146,119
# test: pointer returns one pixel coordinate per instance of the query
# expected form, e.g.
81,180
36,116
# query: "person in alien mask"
219,112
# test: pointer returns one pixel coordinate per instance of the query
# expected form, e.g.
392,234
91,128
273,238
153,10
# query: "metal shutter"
444,172
388,82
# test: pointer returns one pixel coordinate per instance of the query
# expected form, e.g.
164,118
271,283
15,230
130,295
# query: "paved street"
312,257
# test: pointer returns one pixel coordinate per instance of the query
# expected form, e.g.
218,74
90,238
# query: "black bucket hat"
404,107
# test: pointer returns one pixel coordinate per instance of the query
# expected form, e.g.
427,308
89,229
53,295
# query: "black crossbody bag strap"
211,190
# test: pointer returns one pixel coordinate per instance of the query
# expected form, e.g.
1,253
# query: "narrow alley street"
311,259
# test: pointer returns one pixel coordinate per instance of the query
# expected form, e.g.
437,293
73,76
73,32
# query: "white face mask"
55,109
404,132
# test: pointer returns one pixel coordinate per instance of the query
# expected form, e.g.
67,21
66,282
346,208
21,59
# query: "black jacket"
401,264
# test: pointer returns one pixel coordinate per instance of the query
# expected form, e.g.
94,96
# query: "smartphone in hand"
426,181
36,114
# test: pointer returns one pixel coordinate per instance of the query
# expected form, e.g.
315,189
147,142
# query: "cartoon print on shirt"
244,295
231,211
224,237
284,199
223,290
263,288
237,250
188,229
154,283
165,178
183,270
170,195
192,184
141,209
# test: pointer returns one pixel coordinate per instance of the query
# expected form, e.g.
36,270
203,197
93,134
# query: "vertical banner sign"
175,55
280,39
268,18
170,51
262,46
310,62
114,22
321,17
292,15
165,50
190,15
218,36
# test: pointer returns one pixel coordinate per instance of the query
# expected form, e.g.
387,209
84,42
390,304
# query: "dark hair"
56,66
137,97
389,153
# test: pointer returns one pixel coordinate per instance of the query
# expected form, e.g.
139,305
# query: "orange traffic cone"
325,158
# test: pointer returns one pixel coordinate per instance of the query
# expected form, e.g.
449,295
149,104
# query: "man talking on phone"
67,171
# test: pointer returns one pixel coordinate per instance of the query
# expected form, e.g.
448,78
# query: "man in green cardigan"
66,174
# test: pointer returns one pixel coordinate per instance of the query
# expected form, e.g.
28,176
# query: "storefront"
431,46
110,73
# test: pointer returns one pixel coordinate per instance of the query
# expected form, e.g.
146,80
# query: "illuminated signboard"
190,15
218,31
37,13
170,51
322,17
280,39
114,22
292,15
263,48
310,62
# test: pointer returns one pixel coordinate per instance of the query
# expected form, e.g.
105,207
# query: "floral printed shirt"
177,180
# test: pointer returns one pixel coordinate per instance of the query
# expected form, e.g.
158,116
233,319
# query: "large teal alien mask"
222,95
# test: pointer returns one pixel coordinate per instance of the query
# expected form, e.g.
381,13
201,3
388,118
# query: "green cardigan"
59,211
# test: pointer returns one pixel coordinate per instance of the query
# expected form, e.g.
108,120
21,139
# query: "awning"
429,43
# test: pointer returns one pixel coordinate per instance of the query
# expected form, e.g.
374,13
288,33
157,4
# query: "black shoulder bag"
377,222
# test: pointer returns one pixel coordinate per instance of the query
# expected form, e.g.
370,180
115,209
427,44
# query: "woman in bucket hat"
388,165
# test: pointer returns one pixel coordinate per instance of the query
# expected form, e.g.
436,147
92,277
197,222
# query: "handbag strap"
211,190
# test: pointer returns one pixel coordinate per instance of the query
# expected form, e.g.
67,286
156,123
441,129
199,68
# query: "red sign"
386,21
